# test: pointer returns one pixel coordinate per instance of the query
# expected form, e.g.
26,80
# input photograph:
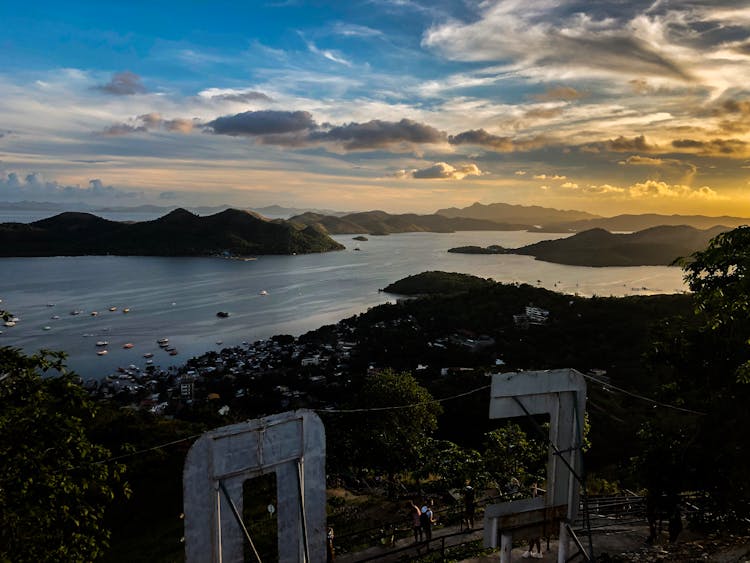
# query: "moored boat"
128,346
101,353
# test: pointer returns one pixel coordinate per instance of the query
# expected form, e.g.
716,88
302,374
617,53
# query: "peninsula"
657,246
179,233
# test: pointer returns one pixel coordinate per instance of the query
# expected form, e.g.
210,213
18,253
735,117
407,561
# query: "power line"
409,406
398,407
641,397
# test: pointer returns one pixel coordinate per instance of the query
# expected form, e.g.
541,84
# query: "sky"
610,106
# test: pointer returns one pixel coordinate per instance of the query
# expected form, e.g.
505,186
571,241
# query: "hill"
437,283
658,246
641,222
506,213
382,223
179,233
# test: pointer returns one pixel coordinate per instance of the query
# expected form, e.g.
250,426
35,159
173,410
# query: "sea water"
178,298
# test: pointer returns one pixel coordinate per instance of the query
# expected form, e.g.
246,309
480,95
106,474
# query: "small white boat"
148,355
10,323
128,346
50,304
113,309
126,310
55,317
219,342
46,328
149,362
263,292
94,313
162,341
101,353
75,312
102,343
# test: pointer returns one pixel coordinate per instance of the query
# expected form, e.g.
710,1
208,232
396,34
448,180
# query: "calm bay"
178,298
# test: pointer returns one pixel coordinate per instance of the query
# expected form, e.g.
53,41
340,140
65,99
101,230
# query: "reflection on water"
178,298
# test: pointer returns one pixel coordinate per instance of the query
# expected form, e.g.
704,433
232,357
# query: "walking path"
442,538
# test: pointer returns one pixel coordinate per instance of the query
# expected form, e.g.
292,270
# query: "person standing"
426,521
469,507
416,523
330,551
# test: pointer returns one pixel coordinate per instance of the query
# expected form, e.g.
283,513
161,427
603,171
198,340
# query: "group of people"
422,521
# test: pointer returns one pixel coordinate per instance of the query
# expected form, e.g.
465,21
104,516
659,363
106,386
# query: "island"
379,223
180,233
491,249
657,246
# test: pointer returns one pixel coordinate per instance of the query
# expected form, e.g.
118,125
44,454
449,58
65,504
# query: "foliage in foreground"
53,493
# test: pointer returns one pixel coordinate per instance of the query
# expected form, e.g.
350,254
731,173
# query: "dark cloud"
379,134
442,171
482,138
243,97
713,147
623,144
123,84
119,129
495,142
15,188
264,122
148,122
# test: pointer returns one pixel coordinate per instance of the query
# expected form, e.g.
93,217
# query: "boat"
263,292
102,343
162,341
75,312
128,346
94,313
55,317
101,353
113,308
149,362
50,304
357,248
173,352
222,314
46,328
219,342
148,355
126,310
10,323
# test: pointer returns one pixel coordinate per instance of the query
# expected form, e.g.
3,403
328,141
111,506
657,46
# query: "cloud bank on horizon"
404,105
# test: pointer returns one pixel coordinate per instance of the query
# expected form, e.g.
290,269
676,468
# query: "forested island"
657,246
179,233
667,393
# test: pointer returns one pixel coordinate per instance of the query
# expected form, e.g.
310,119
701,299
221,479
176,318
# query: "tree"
392,433
703,364
510,453
53,490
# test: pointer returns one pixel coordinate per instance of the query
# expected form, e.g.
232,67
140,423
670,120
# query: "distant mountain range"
543,219
270,211
657,246
179,233
382,223
645,221
506,213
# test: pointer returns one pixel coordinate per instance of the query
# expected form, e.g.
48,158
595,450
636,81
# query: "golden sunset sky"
402,105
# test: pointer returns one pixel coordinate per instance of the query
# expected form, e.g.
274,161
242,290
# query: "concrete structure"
290,444
562,395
